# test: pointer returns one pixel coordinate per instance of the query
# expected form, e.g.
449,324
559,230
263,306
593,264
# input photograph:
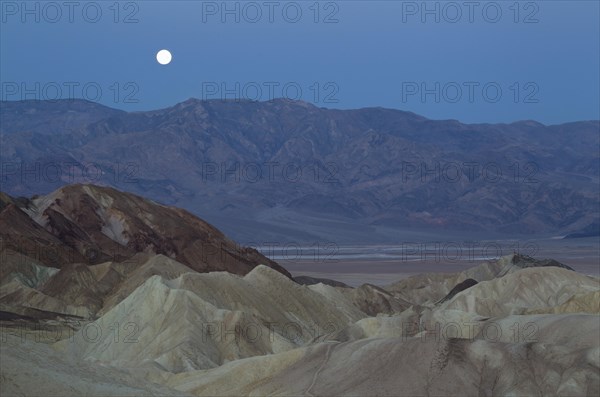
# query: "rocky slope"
525,328
93,224
154,322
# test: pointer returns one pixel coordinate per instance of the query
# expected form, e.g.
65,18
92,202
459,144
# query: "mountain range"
288,170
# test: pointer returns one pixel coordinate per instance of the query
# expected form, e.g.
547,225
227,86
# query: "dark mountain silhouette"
263,170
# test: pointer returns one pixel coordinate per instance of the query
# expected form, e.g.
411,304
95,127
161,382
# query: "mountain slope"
92,224
253,167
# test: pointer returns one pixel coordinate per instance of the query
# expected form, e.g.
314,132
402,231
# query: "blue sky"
487,62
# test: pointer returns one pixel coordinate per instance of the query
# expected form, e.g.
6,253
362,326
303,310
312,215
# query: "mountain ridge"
195,100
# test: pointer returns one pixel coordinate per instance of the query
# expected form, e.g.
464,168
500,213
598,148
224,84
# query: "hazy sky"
472,61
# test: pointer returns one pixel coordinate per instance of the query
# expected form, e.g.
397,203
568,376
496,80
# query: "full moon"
164,57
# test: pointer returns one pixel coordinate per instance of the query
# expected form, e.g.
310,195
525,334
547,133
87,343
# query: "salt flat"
382,264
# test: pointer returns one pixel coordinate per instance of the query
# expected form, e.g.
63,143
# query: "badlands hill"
155,322
84,248
166,329
93,224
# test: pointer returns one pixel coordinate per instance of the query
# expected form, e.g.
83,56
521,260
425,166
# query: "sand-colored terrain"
149,325
164,329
